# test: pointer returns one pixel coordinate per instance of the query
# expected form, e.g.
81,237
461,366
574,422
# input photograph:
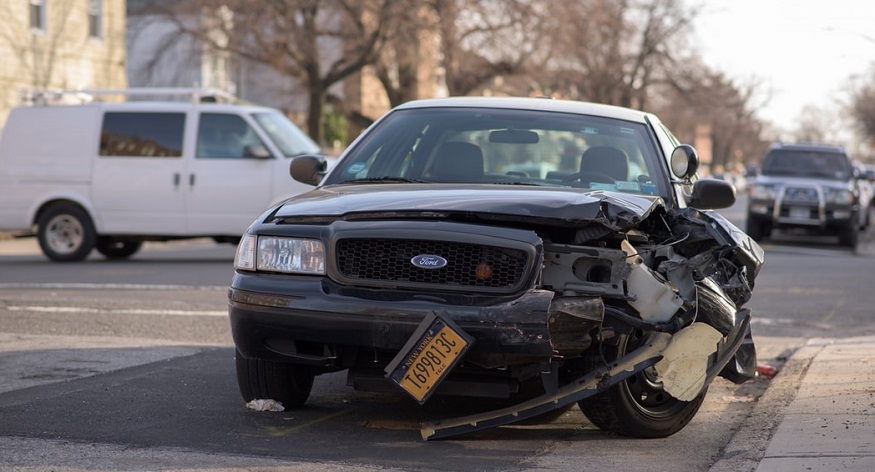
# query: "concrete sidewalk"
827,424
830,424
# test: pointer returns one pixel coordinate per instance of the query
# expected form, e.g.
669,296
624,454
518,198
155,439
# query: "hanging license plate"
430,354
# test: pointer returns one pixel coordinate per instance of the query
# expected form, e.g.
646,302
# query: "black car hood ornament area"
429,261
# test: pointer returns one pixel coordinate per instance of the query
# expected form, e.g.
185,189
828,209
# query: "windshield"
290,140
802,163
506,147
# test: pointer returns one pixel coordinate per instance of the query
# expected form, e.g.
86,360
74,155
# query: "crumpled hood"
552,205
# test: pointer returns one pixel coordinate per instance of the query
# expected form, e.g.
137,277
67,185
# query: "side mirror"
684,162
308,169
711,194
256,151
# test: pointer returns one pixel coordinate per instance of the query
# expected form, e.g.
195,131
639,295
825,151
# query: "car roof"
808,147
159,106
526,103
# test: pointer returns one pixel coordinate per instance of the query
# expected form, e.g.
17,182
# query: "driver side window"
222,135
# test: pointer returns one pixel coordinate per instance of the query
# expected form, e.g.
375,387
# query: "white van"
112,175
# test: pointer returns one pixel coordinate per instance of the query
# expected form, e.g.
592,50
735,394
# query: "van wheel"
65,233
284,382
118,248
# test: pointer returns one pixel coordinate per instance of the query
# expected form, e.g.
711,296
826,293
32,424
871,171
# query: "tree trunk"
314,114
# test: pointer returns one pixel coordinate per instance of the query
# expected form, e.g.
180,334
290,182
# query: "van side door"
229,180
138,174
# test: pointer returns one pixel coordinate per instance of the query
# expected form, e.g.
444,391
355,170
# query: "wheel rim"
646,394
64,234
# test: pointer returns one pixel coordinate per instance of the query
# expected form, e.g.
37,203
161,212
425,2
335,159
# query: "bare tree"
613,51
485,39
862,106
697,96
317,42
817,125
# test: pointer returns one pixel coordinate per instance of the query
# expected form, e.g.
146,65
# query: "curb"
748,445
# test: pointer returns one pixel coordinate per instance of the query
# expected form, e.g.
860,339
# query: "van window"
225,135
288,138
142,134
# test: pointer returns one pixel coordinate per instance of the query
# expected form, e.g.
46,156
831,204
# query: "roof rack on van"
76,96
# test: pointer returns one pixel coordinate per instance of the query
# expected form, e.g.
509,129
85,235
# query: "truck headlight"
838,195
278,254
763,192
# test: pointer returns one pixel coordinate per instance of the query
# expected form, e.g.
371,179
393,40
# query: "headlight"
276,254
838,195
763,192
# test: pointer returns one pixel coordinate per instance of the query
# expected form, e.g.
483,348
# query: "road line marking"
78,286
277,431
833,312
123,311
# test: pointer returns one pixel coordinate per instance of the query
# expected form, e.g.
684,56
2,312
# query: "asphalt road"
128,365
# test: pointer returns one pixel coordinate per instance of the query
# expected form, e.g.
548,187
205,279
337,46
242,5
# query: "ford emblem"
428,261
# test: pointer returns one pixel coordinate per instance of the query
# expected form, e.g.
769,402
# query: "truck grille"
801,194
381,262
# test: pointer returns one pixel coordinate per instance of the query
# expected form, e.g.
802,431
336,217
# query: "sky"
802,51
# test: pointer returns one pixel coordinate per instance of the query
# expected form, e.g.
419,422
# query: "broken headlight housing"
278,254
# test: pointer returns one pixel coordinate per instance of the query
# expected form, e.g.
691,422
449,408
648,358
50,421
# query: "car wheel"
638,406
286,383
849,233
117,248
65,233
756,230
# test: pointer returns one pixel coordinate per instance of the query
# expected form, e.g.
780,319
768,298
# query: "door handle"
191,180
176,179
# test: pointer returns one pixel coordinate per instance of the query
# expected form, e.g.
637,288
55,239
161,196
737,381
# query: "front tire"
638,407
286,383
757,231
849,234
65,233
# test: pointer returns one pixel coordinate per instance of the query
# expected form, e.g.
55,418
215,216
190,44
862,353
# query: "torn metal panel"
585,269
572,322
684,365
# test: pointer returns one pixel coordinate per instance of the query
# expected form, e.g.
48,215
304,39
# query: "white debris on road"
265,405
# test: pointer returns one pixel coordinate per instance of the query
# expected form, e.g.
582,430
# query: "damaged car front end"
481,247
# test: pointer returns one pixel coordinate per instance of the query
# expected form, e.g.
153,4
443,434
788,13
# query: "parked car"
808,187
426,262
113,175
867,179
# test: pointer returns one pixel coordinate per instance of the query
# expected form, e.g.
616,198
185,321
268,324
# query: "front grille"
800,194
388,261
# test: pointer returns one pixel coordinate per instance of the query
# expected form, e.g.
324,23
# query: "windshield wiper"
403,180
516,182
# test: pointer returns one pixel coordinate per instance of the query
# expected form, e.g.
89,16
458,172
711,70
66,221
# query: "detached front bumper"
593,382
307,320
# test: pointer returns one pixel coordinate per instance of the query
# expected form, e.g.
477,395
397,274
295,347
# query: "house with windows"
60,44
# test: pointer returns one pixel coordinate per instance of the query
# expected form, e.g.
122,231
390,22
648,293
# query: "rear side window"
142,134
